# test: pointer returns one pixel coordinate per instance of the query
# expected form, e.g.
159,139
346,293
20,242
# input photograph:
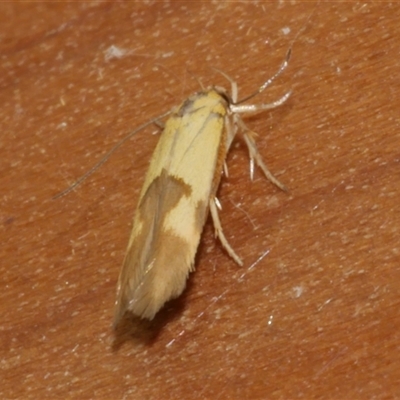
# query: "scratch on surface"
217,298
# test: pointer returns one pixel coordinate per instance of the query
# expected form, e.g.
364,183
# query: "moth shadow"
144,332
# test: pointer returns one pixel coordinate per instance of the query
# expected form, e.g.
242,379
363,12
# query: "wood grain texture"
317,317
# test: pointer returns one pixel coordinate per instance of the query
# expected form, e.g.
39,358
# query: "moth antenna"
284,64
306,23
270,80
107,156
234,88
196,78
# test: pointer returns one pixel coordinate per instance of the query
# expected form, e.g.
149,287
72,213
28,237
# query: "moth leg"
231,129
255,156
226,172
220,233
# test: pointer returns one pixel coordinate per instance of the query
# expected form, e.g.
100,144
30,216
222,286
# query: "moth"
178,192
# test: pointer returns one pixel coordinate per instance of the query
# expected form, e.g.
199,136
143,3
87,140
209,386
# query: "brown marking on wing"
158,261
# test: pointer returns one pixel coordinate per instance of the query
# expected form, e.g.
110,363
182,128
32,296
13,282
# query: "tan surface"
317,317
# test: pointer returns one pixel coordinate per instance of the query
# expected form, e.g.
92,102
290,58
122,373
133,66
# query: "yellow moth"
178,190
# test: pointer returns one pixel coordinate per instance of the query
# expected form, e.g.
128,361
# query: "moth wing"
158,260
171,213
